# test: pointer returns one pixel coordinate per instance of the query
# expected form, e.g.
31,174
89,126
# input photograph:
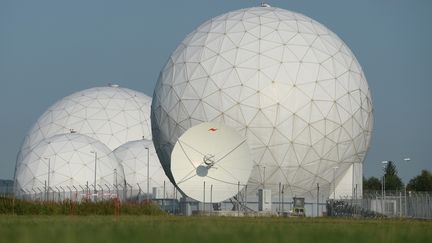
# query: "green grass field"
208,229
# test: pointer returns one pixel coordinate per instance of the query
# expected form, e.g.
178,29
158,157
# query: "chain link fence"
123,191
405,204
401,204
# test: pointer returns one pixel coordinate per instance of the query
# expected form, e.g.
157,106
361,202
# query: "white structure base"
264,200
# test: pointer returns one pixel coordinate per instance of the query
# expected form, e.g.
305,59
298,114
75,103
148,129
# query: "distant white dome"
133,157
282,80
68,160
112,115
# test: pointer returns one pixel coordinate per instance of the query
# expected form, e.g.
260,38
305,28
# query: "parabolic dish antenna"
211,162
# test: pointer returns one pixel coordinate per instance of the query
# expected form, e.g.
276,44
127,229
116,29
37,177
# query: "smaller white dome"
68,160
112,115
133,157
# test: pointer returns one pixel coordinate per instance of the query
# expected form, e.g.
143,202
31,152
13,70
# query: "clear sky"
50,49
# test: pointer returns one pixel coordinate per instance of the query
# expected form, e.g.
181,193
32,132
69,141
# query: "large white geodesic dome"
136,159
283,80
68,161
112,115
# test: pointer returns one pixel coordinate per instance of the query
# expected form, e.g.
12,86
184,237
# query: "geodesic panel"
112,115
284,81
68,160
136,159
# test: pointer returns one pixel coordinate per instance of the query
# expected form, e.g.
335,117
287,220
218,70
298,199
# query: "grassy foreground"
207,229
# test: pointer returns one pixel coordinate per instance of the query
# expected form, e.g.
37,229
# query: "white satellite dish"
211,162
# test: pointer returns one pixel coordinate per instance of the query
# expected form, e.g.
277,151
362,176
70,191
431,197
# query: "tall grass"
21,207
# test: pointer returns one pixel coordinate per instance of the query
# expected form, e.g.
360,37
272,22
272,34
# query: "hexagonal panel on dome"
284,81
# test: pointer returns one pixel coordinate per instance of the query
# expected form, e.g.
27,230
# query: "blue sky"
50,49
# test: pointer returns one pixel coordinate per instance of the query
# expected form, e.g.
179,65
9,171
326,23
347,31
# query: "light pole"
148,173
95,166
384,163
264,178
334,182
405,190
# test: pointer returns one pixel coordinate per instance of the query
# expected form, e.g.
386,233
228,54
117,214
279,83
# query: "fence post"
238,199
203,197
46,192
211,197
283,191
13,204
139,193
318,199
400,204
174,201
124,189
163,198
245,198
279,202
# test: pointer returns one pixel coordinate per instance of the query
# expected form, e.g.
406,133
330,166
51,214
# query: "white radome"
65,161
133,157
112,115
211,162
281,79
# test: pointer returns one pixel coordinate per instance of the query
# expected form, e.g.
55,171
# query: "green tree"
392,180
422,182
371,184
